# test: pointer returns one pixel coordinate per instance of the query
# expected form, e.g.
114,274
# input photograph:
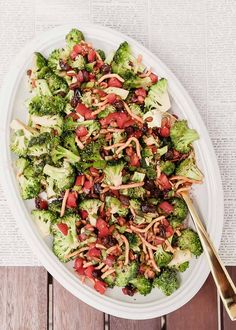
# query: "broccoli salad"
106,163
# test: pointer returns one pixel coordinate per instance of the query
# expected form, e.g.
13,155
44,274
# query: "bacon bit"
63,206
144,230
180,177
100,246
111,249
147,244
138,149
75,253
169,247
139,119
145,74
110,75
79,143
108,272
113,146
100,266
126,186
126,249
153,261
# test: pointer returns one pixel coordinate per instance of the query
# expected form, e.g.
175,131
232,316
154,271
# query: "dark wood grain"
69,313
23,298
199,313
226,323
122,324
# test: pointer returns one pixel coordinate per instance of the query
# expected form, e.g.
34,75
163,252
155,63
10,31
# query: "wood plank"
226,323
199,313
71,313
23,298
123,324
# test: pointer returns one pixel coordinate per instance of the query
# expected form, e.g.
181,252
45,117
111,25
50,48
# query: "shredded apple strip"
126,144
110,75
63,206
126,249
144,230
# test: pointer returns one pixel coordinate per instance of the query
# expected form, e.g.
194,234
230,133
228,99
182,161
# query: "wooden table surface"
30,299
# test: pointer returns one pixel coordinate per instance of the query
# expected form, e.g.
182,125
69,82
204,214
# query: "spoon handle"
224,283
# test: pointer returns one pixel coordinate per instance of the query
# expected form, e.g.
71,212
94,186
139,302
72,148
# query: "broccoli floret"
189,169
125,274
142,284
21,136
180,260
29,188
109,109
158,97
65,244
113,174
59,152
182,136
39,145
42,88
87,99
189,240
137,192
180,211
183,267
79,63
167,167
74,37
46,105
56,84
110,280
134,81
167,281
69,142
63,177
119,137
136,109
55,206
102,54
91,151
42,72
54,58
39,61
124,62
115,206
162,257
53,122
21,164
43,220
134,241
91,206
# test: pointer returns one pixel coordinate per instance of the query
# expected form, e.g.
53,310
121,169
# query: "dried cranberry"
106,68
149,185
124,200
76,98
162,232
63,65
145,128
97,273
129,130
119,105
129,290
109,241
148,208
85,75
97,188
169,155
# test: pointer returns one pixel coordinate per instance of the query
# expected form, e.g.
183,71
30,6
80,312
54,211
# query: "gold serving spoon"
224,284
